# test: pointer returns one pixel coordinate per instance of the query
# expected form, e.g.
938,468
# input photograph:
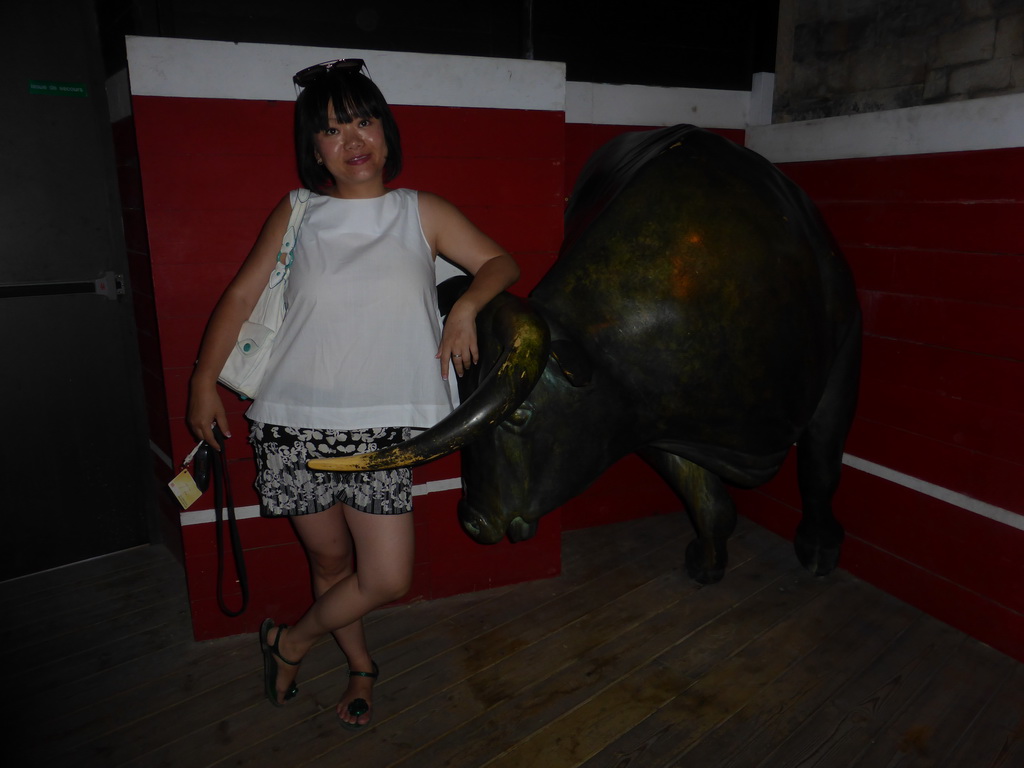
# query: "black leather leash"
213,462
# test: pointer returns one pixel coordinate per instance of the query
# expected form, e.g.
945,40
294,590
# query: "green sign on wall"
53,88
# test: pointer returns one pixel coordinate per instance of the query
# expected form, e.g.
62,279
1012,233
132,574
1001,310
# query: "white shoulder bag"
246,365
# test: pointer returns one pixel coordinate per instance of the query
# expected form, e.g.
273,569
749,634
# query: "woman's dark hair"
353,95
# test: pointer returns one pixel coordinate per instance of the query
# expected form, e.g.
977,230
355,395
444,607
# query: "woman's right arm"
205,407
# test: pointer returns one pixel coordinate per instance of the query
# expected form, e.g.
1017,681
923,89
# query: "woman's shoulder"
404,193
432,203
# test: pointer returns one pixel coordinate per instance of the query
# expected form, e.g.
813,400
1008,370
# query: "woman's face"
353,153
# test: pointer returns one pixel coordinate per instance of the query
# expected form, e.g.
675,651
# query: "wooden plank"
978,427
320,679
621,660
747,698
868,702
626,701
948,372
990,278
985,226
969,326
213,678
996,737
976,175
984,477
807,685
22,594
418,667
930,725
491,710
443,131
223,691
458,723
99,646
64,612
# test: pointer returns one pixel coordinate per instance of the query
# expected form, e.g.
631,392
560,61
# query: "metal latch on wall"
109,285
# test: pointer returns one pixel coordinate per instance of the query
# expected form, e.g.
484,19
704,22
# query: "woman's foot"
355,710
278,679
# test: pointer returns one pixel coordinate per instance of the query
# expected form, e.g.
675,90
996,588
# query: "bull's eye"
519,417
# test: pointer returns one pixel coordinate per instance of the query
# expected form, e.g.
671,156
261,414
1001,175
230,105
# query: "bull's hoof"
520,530
817,552
820,561
700,567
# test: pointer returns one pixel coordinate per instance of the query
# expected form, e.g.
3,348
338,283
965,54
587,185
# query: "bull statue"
700,315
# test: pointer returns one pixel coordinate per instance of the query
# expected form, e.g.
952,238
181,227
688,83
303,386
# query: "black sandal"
270,663
358,707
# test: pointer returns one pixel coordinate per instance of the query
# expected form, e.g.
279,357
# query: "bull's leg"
820,461
711,511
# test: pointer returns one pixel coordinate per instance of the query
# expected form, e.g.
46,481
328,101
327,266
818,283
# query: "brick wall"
848,58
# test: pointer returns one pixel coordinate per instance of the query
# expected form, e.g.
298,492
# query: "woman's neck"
364,191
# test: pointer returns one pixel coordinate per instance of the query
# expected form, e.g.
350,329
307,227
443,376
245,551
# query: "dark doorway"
74,452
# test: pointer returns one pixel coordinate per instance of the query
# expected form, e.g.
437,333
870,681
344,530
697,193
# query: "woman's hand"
205,408
493,270
458,340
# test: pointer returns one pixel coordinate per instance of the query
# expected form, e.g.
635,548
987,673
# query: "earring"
319,161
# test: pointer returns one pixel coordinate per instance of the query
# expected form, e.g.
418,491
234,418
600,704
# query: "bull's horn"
524,340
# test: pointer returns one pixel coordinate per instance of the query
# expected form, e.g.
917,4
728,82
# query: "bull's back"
710,290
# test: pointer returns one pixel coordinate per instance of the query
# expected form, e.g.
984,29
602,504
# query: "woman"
360,361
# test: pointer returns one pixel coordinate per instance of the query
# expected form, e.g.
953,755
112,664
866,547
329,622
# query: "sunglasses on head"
309,75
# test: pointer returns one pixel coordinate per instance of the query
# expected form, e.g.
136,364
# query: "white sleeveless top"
357,345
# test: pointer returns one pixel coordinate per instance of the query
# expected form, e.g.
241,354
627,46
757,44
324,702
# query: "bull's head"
527,429
545,452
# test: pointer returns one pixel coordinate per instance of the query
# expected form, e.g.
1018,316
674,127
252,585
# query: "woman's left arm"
449,232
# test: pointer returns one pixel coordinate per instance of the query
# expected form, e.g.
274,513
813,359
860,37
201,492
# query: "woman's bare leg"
384,546
329,547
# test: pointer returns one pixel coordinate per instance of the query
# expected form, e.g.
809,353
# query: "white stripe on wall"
599,104
158,452
201,516
967,503
208,69
218,70
213,69
960,126
990,511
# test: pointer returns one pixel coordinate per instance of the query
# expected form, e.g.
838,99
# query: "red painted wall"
211,171
937,249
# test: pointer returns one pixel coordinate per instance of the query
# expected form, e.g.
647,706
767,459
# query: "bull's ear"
450,291
575,365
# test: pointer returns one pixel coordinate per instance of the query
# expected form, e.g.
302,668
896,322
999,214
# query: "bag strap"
223,502
291,232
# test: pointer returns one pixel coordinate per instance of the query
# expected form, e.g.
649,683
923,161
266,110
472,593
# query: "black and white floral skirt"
287,487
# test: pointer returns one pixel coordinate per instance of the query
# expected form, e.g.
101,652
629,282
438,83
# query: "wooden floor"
621,661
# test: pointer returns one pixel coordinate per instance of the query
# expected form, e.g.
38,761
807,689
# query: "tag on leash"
183,486
185,489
